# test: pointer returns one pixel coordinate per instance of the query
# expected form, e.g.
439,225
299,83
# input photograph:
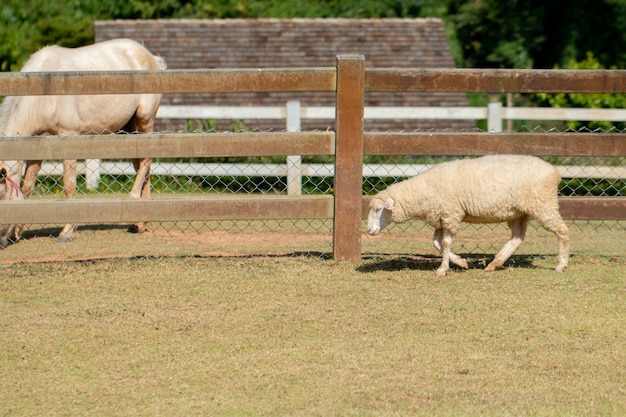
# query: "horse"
65,115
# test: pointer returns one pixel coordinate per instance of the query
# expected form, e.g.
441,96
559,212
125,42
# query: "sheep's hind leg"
454,258
518,232
556,225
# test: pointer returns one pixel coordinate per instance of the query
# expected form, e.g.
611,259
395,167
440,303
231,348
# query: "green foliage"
482,33
593,101
28,25
538,34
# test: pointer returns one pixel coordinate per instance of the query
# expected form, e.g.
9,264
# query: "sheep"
489,189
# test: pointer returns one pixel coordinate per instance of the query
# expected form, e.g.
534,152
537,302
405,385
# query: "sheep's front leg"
69,187
518,232
446,242
454,258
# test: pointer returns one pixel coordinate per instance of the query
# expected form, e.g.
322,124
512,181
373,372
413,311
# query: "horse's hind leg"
518,232
141,188
69,187
143,122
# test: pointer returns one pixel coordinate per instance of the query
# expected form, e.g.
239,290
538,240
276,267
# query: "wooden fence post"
350,98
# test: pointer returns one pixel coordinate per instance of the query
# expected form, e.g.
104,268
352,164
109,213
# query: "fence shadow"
52,231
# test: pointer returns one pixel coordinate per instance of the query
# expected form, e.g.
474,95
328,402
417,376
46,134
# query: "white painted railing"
293,113
495,113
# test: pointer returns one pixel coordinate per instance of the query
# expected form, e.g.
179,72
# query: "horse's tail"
161,62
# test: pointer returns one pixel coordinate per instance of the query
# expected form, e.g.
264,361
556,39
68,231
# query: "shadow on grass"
54,231
389,262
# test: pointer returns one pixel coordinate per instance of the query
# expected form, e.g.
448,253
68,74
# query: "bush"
593,101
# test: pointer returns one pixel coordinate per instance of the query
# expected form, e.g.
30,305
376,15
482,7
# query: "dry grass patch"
306,336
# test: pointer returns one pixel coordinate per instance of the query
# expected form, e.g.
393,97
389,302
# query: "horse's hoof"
134,228
65,239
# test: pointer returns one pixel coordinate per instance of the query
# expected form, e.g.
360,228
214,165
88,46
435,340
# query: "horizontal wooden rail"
171,145
495,80
479,143
573,208
126,210
170,81
593,208
311,79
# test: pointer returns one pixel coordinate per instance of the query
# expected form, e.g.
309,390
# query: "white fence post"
294,162
92,173
494,114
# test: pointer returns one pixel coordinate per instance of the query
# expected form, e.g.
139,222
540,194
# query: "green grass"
306,336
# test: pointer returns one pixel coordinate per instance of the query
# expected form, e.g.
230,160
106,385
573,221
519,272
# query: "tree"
539,34
482,33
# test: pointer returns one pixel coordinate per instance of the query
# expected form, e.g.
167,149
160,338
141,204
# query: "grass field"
294,336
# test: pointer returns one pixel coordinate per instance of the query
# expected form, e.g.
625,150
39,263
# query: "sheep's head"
380,214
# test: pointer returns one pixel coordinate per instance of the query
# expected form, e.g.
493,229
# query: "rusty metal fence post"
349,157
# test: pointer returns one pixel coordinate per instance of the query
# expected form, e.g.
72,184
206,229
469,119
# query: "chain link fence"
582,176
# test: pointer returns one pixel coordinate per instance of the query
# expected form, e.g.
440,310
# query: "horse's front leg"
12,233
69,187
141,189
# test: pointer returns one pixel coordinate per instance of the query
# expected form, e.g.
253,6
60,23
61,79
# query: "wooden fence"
349,143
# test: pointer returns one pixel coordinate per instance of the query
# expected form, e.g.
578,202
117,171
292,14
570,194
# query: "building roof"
269,43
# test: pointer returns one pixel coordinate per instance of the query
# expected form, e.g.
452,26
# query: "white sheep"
489,189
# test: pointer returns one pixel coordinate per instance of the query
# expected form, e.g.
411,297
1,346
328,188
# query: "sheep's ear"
389,204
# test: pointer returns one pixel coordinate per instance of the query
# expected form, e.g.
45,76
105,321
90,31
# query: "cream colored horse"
80,114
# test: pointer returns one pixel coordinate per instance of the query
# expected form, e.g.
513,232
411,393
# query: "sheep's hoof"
491,267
